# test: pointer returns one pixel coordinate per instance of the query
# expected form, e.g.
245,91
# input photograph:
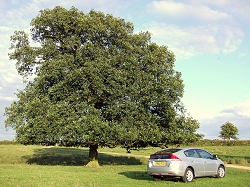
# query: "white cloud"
11,78
239,8
193,28
177,39
6,98
243,54
241,109
238,114
219,10
191,41
106,6
190,10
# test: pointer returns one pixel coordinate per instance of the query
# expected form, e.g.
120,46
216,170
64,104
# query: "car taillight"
174,157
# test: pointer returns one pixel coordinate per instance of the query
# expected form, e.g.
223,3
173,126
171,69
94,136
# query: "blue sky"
210,40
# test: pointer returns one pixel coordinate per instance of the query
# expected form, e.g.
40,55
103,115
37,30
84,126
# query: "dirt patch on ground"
238,167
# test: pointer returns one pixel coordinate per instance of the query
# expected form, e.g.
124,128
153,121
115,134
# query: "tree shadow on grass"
74,157
140,175
137,175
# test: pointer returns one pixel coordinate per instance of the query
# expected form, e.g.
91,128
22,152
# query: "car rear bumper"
168,173
174,171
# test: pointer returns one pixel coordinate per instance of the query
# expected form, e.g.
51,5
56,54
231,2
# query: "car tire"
188,175
221,172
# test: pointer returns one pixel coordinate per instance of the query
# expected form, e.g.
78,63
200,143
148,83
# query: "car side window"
204,154
191,153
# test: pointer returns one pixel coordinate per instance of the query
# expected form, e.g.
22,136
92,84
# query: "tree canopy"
228,131
96,83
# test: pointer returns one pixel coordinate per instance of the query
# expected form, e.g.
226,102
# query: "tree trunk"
93,155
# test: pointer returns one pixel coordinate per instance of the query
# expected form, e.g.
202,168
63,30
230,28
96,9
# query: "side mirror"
214,157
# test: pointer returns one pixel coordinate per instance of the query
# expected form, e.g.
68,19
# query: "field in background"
36,165
237,152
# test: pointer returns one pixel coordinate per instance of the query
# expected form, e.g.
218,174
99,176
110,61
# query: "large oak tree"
96,84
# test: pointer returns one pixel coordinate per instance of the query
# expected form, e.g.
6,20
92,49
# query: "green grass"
56,166
108,175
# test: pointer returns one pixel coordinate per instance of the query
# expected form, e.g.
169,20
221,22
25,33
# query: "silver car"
185,163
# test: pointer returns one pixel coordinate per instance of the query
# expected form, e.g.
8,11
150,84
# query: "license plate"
159,163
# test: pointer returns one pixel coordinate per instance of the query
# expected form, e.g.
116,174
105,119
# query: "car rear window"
164,154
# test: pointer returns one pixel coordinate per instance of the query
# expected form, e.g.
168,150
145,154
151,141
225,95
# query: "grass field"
37,166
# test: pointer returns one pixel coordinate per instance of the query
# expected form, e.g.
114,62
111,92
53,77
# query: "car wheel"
158,178
188,175
221,172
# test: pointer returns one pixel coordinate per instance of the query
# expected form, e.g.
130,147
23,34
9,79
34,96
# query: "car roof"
184,148
179,149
